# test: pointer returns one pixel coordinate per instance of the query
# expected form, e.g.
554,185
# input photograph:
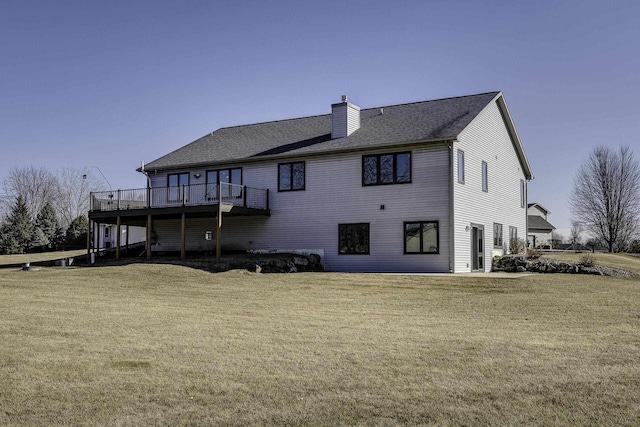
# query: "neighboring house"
433,186
106,237
540,231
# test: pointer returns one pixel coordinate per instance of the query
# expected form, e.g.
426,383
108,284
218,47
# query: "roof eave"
502,105
245,160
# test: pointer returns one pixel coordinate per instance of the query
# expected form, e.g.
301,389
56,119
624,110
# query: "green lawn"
159,344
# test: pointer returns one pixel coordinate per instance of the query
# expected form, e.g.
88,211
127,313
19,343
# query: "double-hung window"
513,233
291,176
522,193
380,169
421,237
497,235
353,239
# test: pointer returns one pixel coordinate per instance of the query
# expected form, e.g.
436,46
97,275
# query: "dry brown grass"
39,257
159,344
622,261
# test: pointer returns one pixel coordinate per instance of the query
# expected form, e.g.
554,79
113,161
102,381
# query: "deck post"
219,223
267,198
89,230
149,225
118,237
244,196
183,238
127,239
96,240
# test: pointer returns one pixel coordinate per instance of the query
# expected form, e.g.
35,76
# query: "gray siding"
345,119
334,195
487,139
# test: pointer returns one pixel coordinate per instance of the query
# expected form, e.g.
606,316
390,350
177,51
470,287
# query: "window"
106,232
421,237
227,176
461,166
353,238
178,179
485,177
380,169
513,233
522,193
291,176
175,182
497,235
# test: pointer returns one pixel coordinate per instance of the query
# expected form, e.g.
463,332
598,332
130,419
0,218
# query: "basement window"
353,239
421,237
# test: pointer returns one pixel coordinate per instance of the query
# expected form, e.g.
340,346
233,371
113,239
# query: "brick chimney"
345,118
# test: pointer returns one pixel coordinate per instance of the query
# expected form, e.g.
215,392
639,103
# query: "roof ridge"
364,109
431,100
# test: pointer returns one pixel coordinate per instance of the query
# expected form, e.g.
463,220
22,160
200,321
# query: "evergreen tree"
17,229
38,239
47,228
77,231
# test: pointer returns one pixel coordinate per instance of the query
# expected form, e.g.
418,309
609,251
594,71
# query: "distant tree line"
42,210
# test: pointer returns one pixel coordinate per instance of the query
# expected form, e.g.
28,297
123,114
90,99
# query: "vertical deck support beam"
149,228
96,240
127,239
219,223
89,230
118,236
183,237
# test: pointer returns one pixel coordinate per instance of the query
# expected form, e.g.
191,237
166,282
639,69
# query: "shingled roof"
436,120
536,222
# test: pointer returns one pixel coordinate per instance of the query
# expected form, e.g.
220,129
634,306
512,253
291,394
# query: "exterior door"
178,183
477,247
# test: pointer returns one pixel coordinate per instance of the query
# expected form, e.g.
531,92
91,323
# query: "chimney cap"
344,98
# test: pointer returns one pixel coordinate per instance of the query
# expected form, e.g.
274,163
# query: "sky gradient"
109,84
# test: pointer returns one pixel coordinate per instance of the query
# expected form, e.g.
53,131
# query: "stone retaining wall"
514,263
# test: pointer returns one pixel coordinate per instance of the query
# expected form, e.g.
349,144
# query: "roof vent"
345,118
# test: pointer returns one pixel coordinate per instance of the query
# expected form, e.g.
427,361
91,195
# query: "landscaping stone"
518,263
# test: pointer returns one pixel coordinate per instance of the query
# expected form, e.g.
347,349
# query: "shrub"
533,253
587,259
516,246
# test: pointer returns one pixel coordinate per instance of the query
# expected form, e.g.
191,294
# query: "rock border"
521,264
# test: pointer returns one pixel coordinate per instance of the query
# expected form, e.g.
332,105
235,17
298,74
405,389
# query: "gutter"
286,156
452,254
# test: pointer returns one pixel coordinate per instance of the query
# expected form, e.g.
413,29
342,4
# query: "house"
539,230
433,186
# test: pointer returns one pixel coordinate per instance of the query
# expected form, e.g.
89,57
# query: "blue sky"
112,83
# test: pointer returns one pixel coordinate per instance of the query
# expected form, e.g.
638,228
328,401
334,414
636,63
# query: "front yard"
160,344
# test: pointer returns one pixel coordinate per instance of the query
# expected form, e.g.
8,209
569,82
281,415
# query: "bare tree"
575,233
556,239
36,185
74,187
67,190
606,195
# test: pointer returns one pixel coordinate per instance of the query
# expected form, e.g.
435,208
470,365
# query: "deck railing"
185,195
